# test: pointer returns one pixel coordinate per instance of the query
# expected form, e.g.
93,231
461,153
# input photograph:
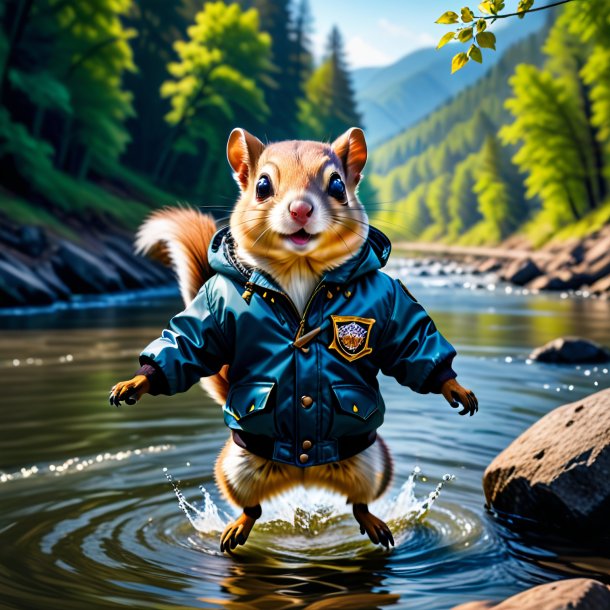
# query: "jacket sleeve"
411,349
192,346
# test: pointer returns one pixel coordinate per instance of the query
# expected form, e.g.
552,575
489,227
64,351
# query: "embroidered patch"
351,336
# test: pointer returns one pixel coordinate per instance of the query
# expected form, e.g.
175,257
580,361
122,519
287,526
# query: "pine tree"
329,107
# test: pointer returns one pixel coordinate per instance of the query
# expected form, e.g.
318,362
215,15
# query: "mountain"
392,98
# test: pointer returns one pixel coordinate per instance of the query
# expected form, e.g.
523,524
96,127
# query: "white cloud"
360,53
416,39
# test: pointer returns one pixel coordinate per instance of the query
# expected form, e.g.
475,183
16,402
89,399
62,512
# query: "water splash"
311,511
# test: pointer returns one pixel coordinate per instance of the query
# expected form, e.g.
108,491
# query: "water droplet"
164,469
596,383
188,463
587,373
546,386
571,388
528,361
16,362
508,359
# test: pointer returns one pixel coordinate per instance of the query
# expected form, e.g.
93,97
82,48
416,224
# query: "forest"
111,107
526,149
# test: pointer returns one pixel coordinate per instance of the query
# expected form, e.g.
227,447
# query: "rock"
83,272
571,350
562,280
489,265
598,250
20,286
32,240
563,260
595,271
601,286
570,594
556,474
520,272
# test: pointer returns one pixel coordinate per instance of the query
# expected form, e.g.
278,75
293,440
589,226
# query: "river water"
89,516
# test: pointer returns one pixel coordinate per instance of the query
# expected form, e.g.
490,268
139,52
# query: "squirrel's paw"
455,394
375,528
130,391
237,532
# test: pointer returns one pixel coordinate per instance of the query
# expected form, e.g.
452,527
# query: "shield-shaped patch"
351,336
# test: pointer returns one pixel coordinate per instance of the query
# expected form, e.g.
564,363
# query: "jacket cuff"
156,378
442,372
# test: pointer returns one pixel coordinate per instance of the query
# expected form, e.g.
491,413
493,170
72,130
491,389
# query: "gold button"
306,401
355,409
307,445
347,294
303,458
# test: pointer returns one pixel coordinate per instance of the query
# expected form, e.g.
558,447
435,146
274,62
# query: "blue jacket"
306,399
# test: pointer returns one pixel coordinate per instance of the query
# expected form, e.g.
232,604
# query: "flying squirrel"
288,320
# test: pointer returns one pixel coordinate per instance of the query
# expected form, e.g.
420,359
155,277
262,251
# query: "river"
89,517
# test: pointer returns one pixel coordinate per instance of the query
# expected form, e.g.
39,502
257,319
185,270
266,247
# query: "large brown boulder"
557,473
571,594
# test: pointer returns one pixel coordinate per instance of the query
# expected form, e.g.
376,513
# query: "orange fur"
246,479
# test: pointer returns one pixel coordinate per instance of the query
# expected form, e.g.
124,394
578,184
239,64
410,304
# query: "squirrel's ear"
351,149
243,151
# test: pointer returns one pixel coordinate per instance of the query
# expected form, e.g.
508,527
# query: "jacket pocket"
358,401
248,399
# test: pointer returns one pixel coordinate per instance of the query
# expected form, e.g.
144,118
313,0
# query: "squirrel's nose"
300,211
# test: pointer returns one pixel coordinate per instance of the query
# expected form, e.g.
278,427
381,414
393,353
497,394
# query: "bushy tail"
179,237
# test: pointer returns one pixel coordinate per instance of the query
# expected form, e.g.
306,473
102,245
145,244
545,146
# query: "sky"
378,32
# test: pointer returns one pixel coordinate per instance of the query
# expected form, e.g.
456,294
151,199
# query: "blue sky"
378,32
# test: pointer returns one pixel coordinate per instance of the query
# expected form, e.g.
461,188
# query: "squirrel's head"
298,202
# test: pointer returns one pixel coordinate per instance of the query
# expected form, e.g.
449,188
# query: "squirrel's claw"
377,531
236,532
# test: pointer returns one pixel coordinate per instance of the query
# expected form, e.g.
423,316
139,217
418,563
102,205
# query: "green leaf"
523,7
458,62
448,37
475,53
448,17
486,7
481,25
487,40
467,15
465,35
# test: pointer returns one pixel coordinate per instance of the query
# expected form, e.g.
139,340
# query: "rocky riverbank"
576,265
39,266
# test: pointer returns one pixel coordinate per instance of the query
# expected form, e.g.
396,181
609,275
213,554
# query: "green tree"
462,203
329,107
218,74
501,213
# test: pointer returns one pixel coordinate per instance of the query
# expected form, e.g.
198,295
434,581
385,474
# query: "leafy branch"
475,27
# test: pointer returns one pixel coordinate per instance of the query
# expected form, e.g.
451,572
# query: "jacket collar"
373,255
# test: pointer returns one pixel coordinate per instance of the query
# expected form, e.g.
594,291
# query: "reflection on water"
88,515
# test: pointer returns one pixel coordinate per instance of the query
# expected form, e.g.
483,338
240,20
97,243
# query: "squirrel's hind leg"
362,479
246,480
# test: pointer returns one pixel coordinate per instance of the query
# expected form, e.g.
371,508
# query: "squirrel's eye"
263,188
336,188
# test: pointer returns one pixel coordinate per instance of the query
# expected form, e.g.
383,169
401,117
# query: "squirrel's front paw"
130,391
455,395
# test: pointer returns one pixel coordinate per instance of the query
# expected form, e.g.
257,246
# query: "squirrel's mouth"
301,237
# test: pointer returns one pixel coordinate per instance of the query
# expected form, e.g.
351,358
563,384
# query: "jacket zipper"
305,311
